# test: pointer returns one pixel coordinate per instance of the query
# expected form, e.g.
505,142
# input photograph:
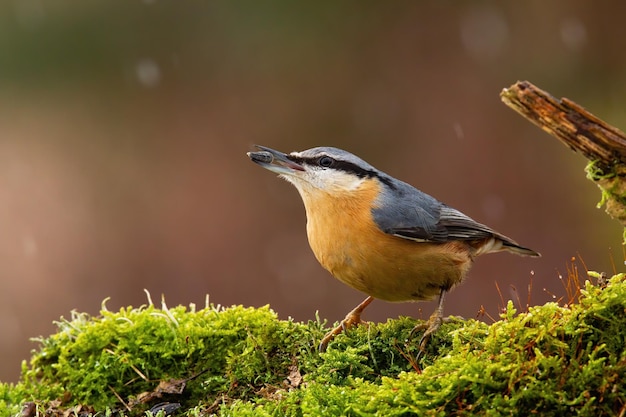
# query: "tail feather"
499,243
519,250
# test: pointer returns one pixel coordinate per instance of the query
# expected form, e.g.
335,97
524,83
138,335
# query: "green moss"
610,180
551,360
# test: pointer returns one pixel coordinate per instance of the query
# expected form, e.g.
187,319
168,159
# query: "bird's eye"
325,161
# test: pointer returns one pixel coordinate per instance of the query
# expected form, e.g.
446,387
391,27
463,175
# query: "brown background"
124,127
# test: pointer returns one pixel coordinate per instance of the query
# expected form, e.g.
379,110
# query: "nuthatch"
380,235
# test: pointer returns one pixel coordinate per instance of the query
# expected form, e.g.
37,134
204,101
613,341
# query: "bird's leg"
431,326
353,318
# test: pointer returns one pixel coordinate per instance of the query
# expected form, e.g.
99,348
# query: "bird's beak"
274,161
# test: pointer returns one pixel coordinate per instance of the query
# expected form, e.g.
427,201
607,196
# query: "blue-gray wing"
407,212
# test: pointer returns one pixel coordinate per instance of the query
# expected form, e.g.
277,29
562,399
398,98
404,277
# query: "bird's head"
318,170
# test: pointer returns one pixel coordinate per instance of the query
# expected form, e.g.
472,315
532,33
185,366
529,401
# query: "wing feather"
412,214
404,211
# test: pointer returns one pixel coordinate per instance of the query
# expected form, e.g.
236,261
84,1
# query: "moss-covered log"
551,360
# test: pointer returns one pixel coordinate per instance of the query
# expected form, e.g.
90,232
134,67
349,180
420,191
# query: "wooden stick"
601,143
567,121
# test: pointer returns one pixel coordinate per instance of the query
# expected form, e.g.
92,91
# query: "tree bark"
601,143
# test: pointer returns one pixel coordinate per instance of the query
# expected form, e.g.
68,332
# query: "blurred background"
124,127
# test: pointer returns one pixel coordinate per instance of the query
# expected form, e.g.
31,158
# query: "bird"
380,235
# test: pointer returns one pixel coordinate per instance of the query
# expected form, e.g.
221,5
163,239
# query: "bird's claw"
429,327
352,319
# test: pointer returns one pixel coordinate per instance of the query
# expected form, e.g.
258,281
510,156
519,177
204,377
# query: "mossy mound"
551,360
610,180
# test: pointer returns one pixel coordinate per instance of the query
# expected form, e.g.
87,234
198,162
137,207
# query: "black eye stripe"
354,169
344,166
337,164
297,159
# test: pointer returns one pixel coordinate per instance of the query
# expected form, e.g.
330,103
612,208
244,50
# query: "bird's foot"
430,327
352,319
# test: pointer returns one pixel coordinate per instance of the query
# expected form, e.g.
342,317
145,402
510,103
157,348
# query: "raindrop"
458,130
29,246
148,73
484,33
573,33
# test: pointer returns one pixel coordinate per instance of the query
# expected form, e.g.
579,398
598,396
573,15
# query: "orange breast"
348,243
